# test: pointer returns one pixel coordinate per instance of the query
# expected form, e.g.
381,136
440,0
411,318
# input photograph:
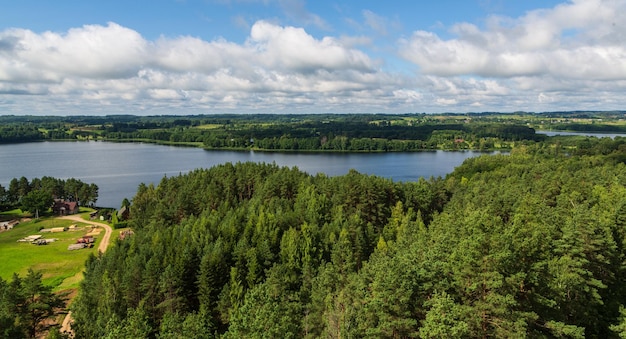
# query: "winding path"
104,244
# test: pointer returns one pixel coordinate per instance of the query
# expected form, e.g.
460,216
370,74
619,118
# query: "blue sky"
297,56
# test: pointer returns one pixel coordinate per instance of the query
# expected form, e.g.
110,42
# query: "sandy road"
104,243
107,230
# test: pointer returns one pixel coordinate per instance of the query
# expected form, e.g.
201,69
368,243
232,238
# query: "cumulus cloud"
582,39
113,51
116,67
294,49
572,56
108,51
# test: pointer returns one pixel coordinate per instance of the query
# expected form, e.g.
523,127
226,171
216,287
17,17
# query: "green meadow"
61,268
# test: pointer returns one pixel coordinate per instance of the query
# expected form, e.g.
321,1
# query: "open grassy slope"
61,268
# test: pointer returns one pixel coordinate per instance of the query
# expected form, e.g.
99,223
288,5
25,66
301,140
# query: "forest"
525,244
324,132
25,305
314,132
39,193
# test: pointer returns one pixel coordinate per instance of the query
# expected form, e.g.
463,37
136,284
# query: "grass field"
61,268
210,126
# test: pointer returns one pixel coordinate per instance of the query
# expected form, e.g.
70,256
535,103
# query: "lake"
586,134
118,168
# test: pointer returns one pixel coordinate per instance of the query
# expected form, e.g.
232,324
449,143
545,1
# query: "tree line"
349,132
314,132
338,135
39,193
529,244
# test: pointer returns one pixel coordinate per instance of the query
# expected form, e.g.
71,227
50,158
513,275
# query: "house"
63,207
123,213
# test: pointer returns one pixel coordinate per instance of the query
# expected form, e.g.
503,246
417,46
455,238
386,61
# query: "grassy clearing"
61,268
210,126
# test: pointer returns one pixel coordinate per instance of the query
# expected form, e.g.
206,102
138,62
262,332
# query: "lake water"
586,134
118,168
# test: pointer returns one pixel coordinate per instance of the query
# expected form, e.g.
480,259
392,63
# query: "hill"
526,244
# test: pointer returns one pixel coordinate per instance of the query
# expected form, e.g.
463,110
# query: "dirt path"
104,244
65,327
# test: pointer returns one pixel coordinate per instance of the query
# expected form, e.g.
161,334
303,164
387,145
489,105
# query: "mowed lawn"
61,268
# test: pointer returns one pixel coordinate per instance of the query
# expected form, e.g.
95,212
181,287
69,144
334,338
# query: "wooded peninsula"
528,243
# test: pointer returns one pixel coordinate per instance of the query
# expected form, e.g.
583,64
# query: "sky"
156,57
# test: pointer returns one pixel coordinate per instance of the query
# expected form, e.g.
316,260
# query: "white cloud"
115,52
187,54
115,68
582,39
408,96
572,56
108,51
294,49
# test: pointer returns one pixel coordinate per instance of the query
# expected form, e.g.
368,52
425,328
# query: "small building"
64,207
123,213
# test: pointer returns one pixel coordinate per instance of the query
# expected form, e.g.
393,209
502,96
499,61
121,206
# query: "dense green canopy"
38,194
27,306
529,244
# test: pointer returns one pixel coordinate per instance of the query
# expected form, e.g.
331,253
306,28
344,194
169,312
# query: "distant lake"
586,134
119,168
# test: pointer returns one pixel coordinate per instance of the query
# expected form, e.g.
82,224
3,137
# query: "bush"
121,224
